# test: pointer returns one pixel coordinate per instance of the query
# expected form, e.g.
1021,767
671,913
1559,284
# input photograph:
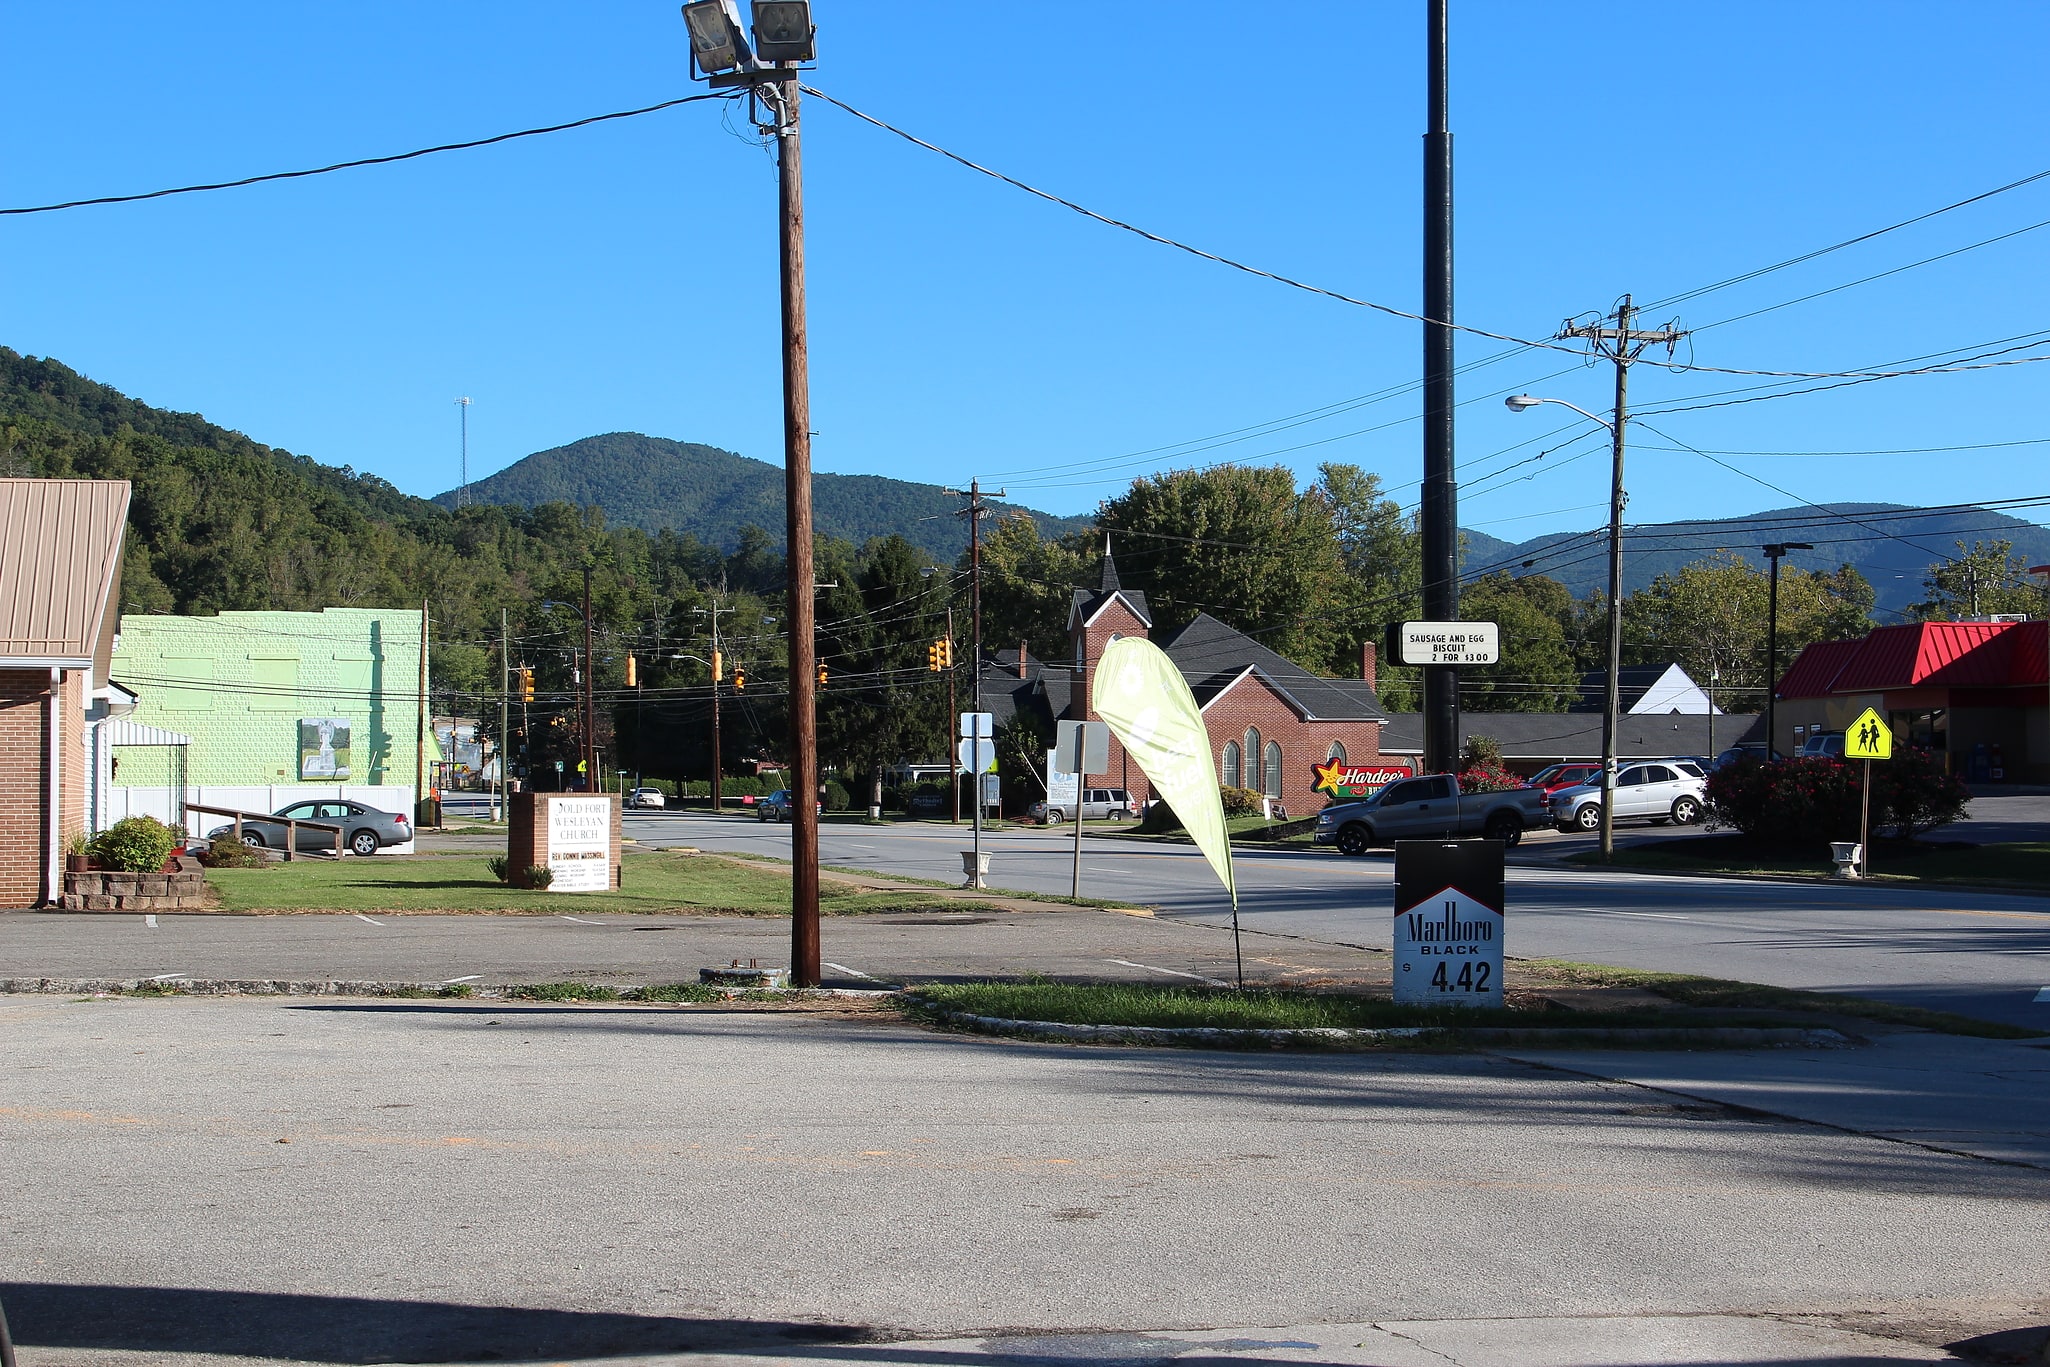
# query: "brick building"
1270,720
60,567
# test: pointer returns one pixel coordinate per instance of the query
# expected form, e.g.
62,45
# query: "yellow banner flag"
1143,697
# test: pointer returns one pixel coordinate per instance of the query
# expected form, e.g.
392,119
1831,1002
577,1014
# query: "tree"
1537,671
881,705
1240,544
1027,583
1381,552
1982,580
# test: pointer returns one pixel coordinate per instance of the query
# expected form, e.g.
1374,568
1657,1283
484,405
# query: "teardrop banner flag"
1149,707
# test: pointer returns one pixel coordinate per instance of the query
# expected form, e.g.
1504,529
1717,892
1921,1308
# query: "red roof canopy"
1922,655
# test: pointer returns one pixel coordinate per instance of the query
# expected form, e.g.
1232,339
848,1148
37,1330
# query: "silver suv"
1657,791
1098,804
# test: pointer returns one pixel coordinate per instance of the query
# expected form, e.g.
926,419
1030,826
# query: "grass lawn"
1264,1009
656,883
1688,990
2021,863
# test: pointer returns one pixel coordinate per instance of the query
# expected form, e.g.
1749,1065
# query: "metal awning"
122,731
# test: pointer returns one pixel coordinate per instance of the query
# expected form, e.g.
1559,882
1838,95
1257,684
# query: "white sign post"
978,754
1082,747
1445,643
580,844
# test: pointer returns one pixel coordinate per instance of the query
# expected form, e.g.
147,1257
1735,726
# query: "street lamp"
1612,702
1773,552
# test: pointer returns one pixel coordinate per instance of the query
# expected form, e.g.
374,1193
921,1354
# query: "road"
210,1180
1983,954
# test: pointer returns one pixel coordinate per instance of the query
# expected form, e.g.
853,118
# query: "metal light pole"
1773,552
768,69
1438,516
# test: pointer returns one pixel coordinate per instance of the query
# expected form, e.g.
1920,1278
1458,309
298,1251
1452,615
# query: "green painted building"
280,701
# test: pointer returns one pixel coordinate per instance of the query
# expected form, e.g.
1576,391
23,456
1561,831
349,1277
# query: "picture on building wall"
323,747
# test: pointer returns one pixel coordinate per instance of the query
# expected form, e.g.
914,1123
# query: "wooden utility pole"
1621,344
947,731
504,706
804,758
974,512
587,704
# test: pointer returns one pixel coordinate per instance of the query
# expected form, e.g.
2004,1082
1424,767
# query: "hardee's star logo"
1330,776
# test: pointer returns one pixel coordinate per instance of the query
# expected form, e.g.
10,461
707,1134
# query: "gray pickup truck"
1431,807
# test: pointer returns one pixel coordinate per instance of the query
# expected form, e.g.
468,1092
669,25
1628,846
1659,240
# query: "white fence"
157,801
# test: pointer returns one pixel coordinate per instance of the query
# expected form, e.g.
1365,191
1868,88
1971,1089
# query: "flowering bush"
1814,798
1487,778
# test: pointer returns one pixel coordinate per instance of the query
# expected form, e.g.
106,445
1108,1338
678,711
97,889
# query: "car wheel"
1589,818
1505,828
364,843
252,840
1686,811
1354,839
1055,816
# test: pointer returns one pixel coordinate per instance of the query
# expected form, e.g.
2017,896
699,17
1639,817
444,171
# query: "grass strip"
1136,1004
1688,989
2022,864
655,883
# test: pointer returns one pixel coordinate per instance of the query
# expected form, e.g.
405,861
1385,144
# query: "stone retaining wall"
182,890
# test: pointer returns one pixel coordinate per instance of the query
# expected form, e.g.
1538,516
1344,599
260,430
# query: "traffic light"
526,684
739,678
932,657
947,654
718,666
633,672
822,676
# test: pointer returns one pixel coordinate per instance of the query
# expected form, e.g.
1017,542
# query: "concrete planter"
97,890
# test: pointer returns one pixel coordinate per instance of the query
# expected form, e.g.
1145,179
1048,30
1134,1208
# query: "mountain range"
657,484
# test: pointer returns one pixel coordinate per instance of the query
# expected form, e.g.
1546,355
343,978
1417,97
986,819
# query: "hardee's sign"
1351,782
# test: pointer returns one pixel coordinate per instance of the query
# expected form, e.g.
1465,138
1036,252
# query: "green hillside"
656,484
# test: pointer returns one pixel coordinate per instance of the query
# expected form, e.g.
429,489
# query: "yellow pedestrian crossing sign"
1869,738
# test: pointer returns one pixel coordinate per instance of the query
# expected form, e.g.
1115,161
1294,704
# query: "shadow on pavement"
348,1329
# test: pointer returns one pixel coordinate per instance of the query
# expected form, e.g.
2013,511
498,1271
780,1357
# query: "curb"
1797,880
282,987
1681,1037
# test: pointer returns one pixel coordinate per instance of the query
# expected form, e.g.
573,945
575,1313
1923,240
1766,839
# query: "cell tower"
463,489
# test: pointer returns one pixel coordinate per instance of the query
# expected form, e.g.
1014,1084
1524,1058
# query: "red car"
1558,776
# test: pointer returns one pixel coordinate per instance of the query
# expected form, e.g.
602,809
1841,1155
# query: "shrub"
137,844
231,854
1481,752
837,798
536,878
1239,801
501,867
1911,793
1159,820
1804,801
1479,777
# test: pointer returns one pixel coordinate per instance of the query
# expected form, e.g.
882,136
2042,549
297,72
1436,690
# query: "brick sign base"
529,821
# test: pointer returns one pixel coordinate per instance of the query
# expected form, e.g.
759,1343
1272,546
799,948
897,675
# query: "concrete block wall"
240,682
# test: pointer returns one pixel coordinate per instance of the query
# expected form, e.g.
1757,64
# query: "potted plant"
78,854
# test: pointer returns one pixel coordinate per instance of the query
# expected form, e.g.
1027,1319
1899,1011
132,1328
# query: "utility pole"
974,512
504,707
718,673
804,760
463,489
1438,516
1620,344
589,700
1774,552
947,731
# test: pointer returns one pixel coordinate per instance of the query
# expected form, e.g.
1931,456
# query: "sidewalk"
1986,1098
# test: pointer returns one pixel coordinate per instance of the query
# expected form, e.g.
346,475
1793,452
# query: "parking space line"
563,916
150,921
467,978
361,917
855,972
1171,972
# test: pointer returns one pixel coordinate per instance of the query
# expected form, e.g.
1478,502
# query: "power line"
368,161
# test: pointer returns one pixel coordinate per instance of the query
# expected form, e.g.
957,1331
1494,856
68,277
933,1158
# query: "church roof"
1087,603
1213,657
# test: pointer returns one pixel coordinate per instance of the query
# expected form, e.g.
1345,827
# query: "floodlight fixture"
717,42
783,30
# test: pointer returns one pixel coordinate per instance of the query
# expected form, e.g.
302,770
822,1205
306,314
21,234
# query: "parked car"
1098,804
365,830
776,806
1830,743
1553,777
1429,807
1657,792
645,797
1754,749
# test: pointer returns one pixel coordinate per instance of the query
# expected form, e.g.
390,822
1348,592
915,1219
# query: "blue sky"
622,277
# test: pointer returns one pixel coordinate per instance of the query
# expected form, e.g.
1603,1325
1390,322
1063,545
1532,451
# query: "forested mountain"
657,484
1890,544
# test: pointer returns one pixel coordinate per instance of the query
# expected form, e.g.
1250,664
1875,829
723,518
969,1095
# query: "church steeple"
1109,583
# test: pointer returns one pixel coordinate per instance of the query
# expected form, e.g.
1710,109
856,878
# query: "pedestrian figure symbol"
1869,738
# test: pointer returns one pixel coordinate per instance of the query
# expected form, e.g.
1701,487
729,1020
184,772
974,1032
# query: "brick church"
1270,720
